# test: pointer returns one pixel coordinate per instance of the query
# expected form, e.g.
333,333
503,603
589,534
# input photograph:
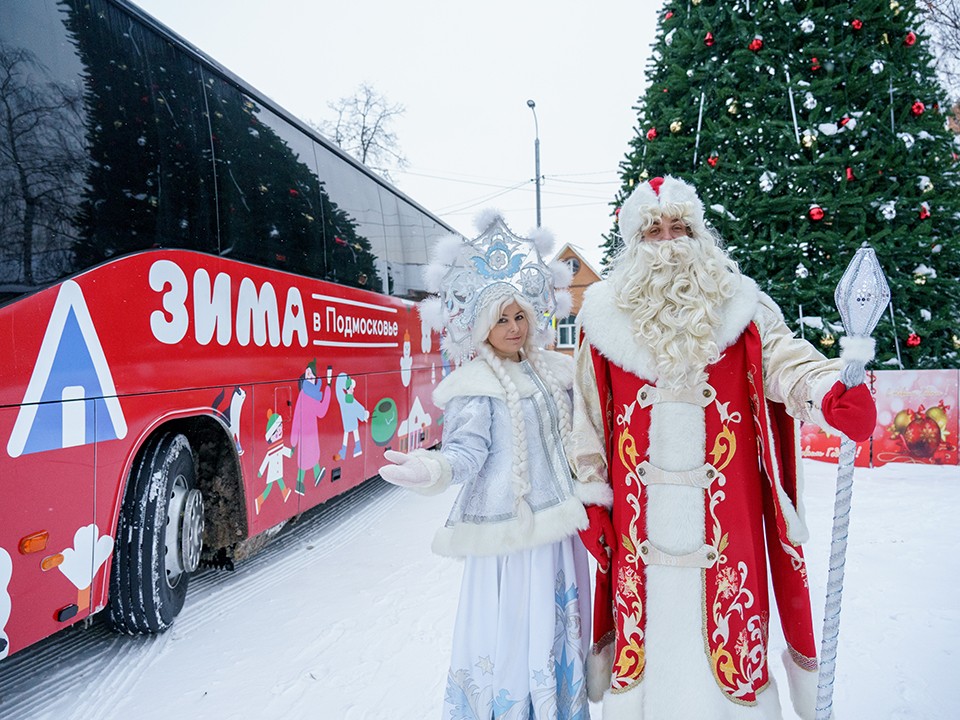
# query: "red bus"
207,318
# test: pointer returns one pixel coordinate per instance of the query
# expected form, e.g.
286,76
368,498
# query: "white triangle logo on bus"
71,382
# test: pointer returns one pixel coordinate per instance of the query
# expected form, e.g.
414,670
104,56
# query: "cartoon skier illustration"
312,404
351,412
273,460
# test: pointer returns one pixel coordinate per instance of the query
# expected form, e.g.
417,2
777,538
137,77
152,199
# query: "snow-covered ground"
348,616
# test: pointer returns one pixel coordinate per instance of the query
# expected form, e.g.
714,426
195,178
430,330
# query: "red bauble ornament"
913,340
708,39
668,15
713,160
844,120
756,44
910,39
918,108
856,24
922,436
816,213
651,133
924,211
814,64
850,177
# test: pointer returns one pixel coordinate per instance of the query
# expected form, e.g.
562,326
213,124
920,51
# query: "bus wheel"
159,538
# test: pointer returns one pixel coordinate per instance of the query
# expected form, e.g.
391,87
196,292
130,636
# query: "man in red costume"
688,381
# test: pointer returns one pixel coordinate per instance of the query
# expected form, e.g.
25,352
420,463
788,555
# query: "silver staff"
861,297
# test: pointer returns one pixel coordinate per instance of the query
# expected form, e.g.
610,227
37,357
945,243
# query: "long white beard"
673,291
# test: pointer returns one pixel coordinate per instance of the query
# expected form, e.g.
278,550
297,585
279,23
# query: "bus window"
393,243
148,181
415,252
270,209
353,224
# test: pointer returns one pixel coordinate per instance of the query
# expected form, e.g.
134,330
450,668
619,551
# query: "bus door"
50,547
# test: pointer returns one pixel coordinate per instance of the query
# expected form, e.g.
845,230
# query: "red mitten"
599,538
852,411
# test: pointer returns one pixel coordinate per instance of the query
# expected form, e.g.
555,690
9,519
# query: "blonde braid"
560,396
521,476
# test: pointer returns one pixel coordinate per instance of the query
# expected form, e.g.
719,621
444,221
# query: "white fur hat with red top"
661,197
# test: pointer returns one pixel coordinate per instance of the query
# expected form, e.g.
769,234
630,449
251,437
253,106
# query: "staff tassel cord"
861,297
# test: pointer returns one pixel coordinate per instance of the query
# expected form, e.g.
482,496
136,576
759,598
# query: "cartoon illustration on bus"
312,405
81,562
384,421
352,413
232,413
273,459
6,570
406,361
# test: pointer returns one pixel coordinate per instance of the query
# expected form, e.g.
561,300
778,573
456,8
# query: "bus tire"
159,537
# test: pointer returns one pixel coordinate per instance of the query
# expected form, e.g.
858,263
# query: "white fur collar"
609,330
478,378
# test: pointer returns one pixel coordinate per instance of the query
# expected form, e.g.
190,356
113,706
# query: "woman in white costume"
522,630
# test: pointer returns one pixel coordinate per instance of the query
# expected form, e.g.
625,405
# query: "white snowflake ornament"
889,210
766,180
807,25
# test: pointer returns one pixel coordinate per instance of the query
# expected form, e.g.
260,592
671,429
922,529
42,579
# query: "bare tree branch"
363,127
942,22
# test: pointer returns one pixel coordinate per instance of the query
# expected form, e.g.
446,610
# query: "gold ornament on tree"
827,340
676,126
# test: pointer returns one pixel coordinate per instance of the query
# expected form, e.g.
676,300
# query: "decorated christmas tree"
810,127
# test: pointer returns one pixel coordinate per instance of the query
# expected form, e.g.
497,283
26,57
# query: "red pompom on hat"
659,196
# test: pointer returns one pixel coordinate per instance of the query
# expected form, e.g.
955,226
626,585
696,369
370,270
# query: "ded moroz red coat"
704,489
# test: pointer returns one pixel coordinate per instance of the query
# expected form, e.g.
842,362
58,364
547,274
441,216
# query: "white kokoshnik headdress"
468,275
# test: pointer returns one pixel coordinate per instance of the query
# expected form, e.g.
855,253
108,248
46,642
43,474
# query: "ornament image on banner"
910,39
815,213
856,24
756,44
876,67
807,25
917,108
652,133
708,39
916,417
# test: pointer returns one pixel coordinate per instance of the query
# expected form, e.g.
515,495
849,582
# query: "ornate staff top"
862,293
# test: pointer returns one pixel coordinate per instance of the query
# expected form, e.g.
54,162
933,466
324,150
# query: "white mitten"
406,471
423,471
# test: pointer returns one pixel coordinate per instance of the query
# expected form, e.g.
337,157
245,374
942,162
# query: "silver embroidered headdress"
468,275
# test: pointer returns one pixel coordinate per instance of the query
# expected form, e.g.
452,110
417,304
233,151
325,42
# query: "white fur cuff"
438,467
594,493
857,349
599,672
803,687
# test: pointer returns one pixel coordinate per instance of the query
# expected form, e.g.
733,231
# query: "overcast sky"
464,72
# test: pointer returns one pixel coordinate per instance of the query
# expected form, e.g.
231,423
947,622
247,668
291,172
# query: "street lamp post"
536,152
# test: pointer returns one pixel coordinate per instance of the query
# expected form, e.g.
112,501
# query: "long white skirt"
522,636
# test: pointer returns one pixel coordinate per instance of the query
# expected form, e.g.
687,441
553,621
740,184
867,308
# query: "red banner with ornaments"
917,421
